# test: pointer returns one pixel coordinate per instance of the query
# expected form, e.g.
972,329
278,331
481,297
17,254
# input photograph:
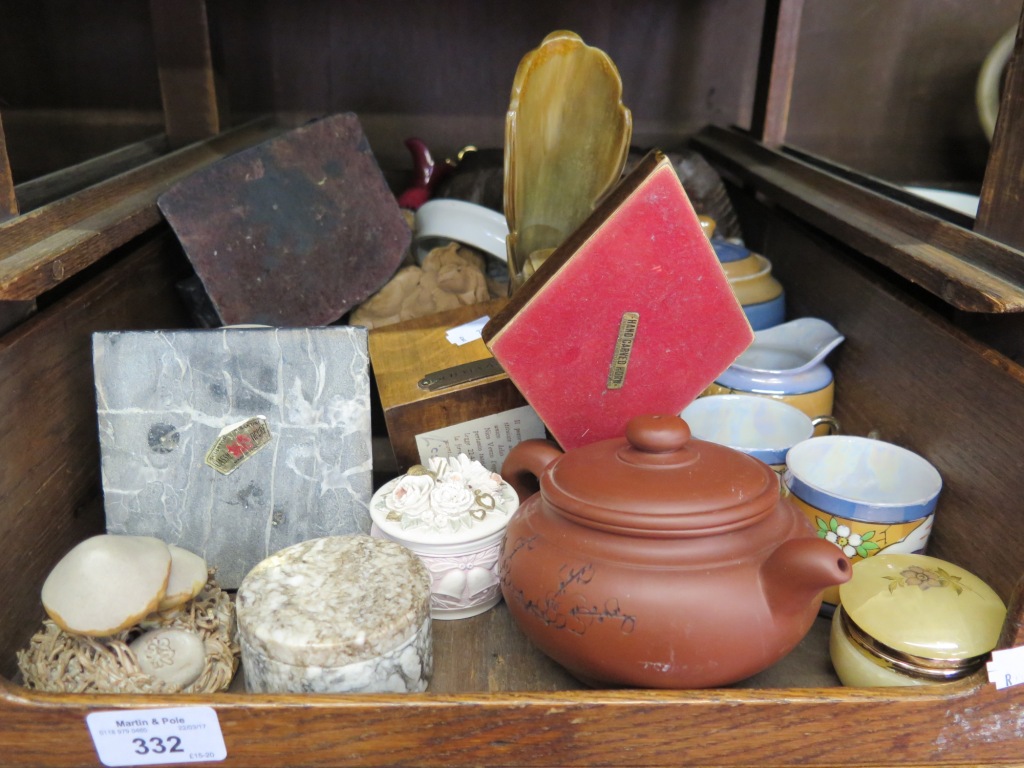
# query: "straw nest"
60,662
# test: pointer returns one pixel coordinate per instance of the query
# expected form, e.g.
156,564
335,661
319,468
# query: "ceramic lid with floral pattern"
923,607
450,500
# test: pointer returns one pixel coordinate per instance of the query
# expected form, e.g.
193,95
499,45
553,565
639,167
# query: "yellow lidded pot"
912,620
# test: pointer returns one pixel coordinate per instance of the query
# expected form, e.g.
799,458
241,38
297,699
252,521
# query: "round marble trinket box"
340,614
452,513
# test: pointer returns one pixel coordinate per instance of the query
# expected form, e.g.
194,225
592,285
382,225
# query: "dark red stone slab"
294,231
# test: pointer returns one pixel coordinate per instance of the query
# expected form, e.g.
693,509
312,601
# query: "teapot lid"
659,480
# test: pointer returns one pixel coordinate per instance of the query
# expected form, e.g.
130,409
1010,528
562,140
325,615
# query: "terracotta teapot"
659,560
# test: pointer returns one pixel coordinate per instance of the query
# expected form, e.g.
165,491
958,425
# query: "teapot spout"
799,570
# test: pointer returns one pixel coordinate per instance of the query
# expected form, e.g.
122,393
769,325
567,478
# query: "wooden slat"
43,247
970,272
8,200
53,186
888,189
11,312
1002,193
188,80
959,725
775,70
488,653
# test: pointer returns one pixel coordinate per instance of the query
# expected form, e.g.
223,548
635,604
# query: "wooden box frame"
404,353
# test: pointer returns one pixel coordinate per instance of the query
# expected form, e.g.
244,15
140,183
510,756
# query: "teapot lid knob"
657,433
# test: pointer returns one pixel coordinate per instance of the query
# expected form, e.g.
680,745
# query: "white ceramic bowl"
439,222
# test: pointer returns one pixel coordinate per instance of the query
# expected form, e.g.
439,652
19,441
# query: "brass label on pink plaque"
237,443
623,347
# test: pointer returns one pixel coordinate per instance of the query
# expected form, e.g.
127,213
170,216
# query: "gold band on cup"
936,670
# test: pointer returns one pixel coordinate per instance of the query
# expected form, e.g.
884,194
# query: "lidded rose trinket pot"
452,512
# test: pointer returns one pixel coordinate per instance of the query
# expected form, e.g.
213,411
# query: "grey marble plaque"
236,442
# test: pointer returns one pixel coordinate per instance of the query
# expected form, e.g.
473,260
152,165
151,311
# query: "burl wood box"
404,354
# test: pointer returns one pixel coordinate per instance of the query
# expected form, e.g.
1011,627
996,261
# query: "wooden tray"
904,287
905,373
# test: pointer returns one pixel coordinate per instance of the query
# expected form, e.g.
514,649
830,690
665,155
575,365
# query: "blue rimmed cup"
760,427
866,496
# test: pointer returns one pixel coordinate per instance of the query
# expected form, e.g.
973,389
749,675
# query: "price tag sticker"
157,736
467,332
1006,667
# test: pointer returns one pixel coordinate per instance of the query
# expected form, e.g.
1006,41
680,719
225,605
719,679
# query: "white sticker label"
157,736
467,332
1006,667
487,439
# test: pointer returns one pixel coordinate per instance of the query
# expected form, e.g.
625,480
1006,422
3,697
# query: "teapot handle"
525,463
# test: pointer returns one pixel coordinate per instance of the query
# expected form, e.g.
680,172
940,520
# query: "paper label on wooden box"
157,736
487,439
467,332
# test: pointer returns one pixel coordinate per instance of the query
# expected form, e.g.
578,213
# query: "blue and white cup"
757,426
865,496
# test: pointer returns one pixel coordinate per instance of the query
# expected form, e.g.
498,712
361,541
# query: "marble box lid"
334,601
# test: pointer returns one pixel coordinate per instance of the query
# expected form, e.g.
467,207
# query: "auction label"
157,736
237,443
1007,667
